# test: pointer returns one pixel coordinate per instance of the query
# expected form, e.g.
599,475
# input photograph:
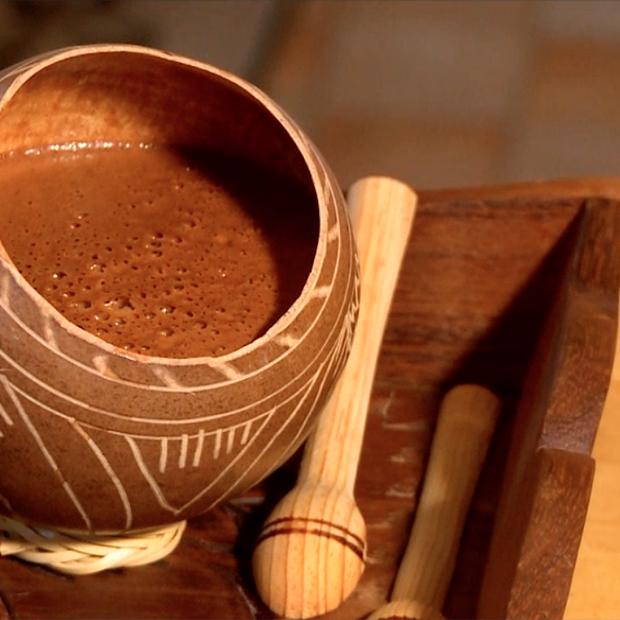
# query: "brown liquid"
163,252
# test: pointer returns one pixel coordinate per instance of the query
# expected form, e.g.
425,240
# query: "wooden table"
514,287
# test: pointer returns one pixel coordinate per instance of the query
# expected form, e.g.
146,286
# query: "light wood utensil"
311,552
466,422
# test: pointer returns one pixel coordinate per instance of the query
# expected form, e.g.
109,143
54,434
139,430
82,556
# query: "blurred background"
437,93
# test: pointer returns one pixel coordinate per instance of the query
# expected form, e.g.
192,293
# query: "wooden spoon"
311,552
466,422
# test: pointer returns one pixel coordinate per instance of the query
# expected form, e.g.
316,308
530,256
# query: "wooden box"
513,287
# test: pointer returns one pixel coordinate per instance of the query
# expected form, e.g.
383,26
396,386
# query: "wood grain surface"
514,287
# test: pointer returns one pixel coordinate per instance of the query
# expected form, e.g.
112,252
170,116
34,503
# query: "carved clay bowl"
97,439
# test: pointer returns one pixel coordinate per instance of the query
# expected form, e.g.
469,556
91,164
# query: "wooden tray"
514,287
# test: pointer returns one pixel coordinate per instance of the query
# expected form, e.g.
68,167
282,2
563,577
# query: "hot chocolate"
166,252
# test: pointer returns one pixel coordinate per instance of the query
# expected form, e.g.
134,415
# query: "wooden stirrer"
311,551
466,422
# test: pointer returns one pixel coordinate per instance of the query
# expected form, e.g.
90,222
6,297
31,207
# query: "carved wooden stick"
466,422
311,551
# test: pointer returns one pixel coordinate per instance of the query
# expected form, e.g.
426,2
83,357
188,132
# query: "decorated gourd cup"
178,288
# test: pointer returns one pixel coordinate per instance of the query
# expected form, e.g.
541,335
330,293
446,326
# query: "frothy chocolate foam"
165,252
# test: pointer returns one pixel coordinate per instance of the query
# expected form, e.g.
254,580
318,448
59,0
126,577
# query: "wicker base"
83,554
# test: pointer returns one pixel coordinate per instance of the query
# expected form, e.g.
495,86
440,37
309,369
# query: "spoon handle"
311,551
466,422
382,212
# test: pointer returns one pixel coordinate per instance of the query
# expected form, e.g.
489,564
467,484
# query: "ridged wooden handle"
311,551
466,422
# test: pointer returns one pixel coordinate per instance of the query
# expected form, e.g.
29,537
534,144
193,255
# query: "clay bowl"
99,439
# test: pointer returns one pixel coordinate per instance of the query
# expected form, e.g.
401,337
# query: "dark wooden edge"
605,187
549,471
540,539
